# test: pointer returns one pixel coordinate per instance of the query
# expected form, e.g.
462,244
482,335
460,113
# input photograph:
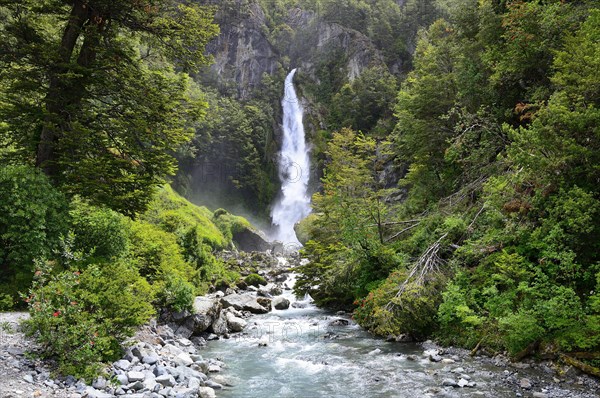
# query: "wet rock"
448,361
375,352
264,301
339,322
280,303
214,385
540,395
449,383
411,358
222,380
435,358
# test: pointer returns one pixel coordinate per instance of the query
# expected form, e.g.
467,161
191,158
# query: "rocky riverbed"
219,349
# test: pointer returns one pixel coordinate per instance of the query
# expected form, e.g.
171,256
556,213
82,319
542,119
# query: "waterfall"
293,203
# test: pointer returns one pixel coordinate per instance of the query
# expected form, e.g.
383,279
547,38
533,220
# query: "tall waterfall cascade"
293,203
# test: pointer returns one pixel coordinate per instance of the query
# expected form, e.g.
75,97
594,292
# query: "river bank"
262,341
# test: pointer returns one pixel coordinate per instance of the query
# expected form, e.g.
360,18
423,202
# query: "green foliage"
365,104
80,317
174,214
99,232
94,91
255,280
229,224
498,126
412,312
6,302
33,217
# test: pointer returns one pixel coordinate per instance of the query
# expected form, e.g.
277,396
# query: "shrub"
156,253
412,313
6,302
99,232
176,293
255,280
33,216
81,317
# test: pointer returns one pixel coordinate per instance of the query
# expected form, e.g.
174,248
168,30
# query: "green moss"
255,280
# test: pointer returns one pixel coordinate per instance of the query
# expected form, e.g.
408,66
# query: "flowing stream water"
293,203
307,357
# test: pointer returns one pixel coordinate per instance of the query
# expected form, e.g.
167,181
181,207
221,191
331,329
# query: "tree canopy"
93,91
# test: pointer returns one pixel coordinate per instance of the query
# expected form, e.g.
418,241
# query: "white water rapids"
293,203
310,354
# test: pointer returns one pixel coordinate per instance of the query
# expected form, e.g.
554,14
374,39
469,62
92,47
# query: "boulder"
280,303
250,240
219,326
205,312
243,302
206,392
183,359
135,376
166,380
235,324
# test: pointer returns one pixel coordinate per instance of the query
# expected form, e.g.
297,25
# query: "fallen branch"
584,367
428,263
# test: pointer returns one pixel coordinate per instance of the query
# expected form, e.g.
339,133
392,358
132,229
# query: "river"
306,356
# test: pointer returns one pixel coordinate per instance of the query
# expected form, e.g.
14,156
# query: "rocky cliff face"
246,50
242,52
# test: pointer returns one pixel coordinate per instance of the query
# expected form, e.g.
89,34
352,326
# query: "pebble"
525,384
28,378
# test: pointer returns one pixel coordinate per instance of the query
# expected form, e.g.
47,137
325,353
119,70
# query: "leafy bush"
176,293
255,280
81,317
99,232
229,224
33,216
412,312
6,302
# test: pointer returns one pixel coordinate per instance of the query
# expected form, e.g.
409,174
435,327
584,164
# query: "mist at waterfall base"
293,202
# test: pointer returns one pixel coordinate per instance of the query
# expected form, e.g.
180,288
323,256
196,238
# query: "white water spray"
293,203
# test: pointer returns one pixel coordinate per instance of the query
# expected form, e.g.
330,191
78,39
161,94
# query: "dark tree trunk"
56,98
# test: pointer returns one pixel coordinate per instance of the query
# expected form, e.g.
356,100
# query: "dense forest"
456,152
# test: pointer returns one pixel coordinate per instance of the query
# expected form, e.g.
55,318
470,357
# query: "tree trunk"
56,119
